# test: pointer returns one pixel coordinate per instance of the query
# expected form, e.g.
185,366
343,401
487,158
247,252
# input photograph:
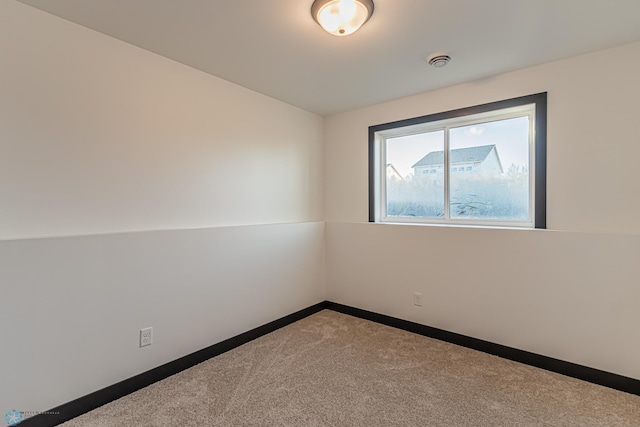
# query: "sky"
511,138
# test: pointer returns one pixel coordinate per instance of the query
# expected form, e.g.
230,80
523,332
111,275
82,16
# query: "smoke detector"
438,59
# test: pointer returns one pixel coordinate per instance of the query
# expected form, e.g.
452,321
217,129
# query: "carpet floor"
331,369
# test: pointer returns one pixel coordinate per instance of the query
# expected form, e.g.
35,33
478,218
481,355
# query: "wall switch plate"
417,299
146,337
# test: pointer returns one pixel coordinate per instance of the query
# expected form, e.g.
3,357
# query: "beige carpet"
332,369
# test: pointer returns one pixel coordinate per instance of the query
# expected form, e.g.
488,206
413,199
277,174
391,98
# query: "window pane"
494,173
495,158
415,184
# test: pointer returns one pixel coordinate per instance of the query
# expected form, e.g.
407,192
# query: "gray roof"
458,155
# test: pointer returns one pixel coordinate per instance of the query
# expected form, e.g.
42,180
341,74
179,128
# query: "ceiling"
274,47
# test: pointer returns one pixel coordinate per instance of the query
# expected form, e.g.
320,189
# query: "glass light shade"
341,17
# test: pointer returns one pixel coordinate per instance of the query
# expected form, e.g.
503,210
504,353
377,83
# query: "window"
491,159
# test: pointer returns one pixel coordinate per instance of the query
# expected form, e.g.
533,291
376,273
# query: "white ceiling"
274,46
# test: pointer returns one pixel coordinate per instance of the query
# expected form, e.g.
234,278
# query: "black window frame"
540,142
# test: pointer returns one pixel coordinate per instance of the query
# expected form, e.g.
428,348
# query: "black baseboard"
94,400
596,376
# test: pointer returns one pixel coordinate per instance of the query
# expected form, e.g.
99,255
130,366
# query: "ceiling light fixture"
341,17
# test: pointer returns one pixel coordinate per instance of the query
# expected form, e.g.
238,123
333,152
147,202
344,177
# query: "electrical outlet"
417,299
146,337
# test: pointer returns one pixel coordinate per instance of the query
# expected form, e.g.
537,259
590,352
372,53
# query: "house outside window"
482,165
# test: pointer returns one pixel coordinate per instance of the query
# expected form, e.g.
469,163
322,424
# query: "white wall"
71,308
99,137
592,146
566,292
572,296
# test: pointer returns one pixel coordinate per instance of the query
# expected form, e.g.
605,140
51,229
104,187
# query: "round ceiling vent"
439,59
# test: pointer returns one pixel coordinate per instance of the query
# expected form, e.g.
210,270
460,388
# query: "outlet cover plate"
417,299
146,337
